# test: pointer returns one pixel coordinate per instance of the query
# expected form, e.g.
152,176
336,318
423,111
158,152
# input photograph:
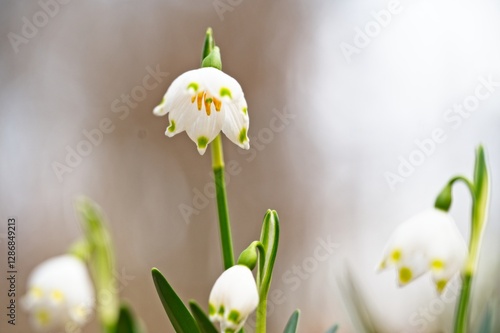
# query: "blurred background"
360,112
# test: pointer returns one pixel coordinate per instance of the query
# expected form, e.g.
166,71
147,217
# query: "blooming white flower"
429,241
60,294
233,297
203,102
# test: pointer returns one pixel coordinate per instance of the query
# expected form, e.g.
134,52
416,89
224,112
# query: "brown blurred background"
350,119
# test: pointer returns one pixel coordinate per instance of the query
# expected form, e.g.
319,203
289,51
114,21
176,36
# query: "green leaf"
291,326
203,321
333,329
179,315
127,322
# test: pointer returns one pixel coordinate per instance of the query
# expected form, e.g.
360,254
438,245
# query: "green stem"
261,316
480,199
220,185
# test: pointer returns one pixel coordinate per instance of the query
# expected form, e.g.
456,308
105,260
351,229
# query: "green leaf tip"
179,315
293,322
333,329
204,323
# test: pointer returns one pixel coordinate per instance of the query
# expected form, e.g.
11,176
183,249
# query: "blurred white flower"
233,297
429,241
203,102
60,294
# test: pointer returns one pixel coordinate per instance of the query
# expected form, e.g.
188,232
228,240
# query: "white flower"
60,294
233,297
203,102
429,241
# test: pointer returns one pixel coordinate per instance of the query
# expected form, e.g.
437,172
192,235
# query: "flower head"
203,102
429,241
233,297
60,294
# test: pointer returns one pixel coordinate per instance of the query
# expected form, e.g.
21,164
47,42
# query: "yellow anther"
199,99
218,104
208,103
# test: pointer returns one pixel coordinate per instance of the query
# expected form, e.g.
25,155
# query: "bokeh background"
346,119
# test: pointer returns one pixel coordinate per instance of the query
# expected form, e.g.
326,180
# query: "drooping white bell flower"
429,241
203,102
234,296
60,294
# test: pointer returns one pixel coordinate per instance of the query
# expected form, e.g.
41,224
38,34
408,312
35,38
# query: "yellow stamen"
204,98
217,104
199,99
208,103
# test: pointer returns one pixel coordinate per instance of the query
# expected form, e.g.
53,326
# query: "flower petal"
221,85
203,129
181,89
236,123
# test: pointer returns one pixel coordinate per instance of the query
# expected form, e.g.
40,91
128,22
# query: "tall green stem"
261,316
220,185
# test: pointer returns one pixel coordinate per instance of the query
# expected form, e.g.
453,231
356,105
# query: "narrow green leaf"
486,321
333,329
203,321
179,315
127,322
291,326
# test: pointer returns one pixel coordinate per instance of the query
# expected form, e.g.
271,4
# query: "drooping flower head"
203,102
60,294
234,296
429,241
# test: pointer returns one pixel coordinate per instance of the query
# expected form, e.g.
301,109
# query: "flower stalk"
479,190
222,208
218,169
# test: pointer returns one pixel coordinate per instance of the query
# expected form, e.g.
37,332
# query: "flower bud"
60,294
233,298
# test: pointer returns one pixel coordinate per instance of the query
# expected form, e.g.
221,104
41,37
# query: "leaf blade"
293,322
179,315
201,318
